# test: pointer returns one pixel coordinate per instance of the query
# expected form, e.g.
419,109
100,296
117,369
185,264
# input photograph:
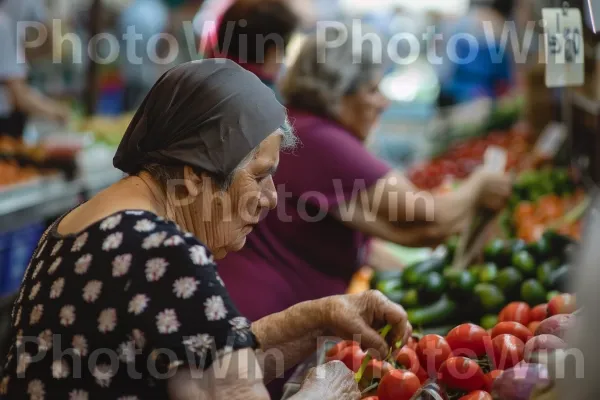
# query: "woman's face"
223,219
360,111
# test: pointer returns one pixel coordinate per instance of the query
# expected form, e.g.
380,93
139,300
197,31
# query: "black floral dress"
109,312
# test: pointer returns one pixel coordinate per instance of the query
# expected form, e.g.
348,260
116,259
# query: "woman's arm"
396,211
29,101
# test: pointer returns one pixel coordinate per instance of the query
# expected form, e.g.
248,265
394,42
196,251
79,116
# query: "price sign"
564,47
551,140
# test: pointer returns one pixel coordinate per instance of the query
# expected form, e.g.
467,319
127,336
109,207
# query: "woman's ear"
192,181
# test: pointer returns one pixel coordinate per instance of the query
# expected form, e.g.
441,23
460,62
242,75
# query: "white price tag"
564,47
551,139
494,159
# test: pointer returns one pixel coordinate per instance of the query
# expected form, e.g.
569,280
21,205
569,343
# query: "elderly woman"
335,194
122,299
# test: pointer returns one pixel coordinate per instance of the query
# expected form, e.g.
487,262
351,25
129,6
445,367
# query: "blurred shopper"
18,100
255,34
146,18
489,70
319,235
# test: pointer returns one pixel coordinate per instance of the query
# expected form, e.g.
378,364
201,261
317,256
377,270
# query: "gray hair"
165,173
321,76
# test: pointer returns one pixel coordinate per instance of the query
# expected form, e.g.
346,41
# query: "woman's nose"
268,198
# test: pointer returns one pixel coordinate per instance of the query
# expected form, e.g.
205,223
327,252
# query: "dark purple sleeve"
329,167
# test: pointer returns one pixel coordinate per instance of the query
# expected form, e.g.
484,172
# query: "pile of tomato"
462,159
466,363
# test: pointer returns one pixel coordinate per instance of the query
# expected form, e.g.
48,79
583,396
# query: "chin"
237,245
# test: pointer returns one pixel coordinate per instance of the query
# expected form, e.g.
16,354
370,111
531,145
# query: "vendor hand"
363,314
330,381
492,189
60,114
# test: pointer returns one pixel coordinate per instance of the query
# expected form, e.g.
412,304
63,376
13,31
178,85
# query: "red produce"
562,304
539,312
467,340
490,377
461,373
477,395
398,385
408,359
512,328
517,312
432,351
506,351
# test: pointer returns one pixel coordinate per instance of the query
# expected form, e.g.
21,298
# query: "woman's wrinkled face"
223,219
360,111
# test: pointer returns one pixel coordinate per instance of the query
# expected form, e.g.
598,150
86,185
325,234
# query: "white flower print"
54,266
184,288
218,277
154,240
67,315
91,291
36,314
127,352
107,320
144,225
199,256
166,321
199,344
60,369
103,375
57,288
45,340
82,264
21,293
111,222
37,269
188,235
18,316
155,269
138,304
79,242
23,363
34,290
135,212
19,338
35,389
241,326
121,265
174,241
80,346
112,241
56,248
138,338
214,308
78,395
4,385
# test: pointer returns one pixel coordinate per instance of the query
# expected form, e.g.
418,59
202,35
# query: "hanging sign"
564,47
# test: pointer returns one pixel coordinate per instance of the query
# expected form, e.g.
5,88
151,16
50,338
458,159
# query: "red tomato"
376,370
477,395
398,385
512,328
412,343
467,340
490,377
352,357
562,304
422,375
539,312
461,373
339,346
516,312
507,351
533,326
371,398
408,359
432,351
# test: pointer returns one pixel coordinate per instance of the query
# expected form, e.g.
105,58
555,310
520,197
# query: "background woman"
122,297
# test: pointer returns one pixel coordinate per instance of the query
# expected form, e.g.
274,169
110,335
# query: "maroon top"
300,251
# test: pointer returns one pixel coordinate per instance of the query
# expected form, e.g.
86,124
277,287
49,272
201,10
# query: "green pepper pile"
434,294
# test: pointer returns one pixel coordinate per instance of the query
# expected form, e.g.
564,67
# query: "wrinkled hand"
493,189
363,314
330,381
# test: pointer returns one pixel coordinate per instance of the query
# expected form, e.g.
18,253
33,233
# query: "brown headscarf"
207,114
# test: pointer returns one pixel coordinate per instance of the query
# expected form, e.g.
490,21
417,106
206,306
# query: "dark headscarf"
207,114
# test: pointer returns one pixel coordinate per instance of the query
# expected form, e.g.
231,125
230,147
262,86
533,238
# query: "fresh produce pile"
463,158
108,130
470,362
542,198
18,162
434,294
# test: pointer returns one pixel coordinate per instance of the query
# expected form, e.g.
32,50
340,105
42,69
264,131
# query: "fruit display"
459,161
434,294
108,130
18,163
468,363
